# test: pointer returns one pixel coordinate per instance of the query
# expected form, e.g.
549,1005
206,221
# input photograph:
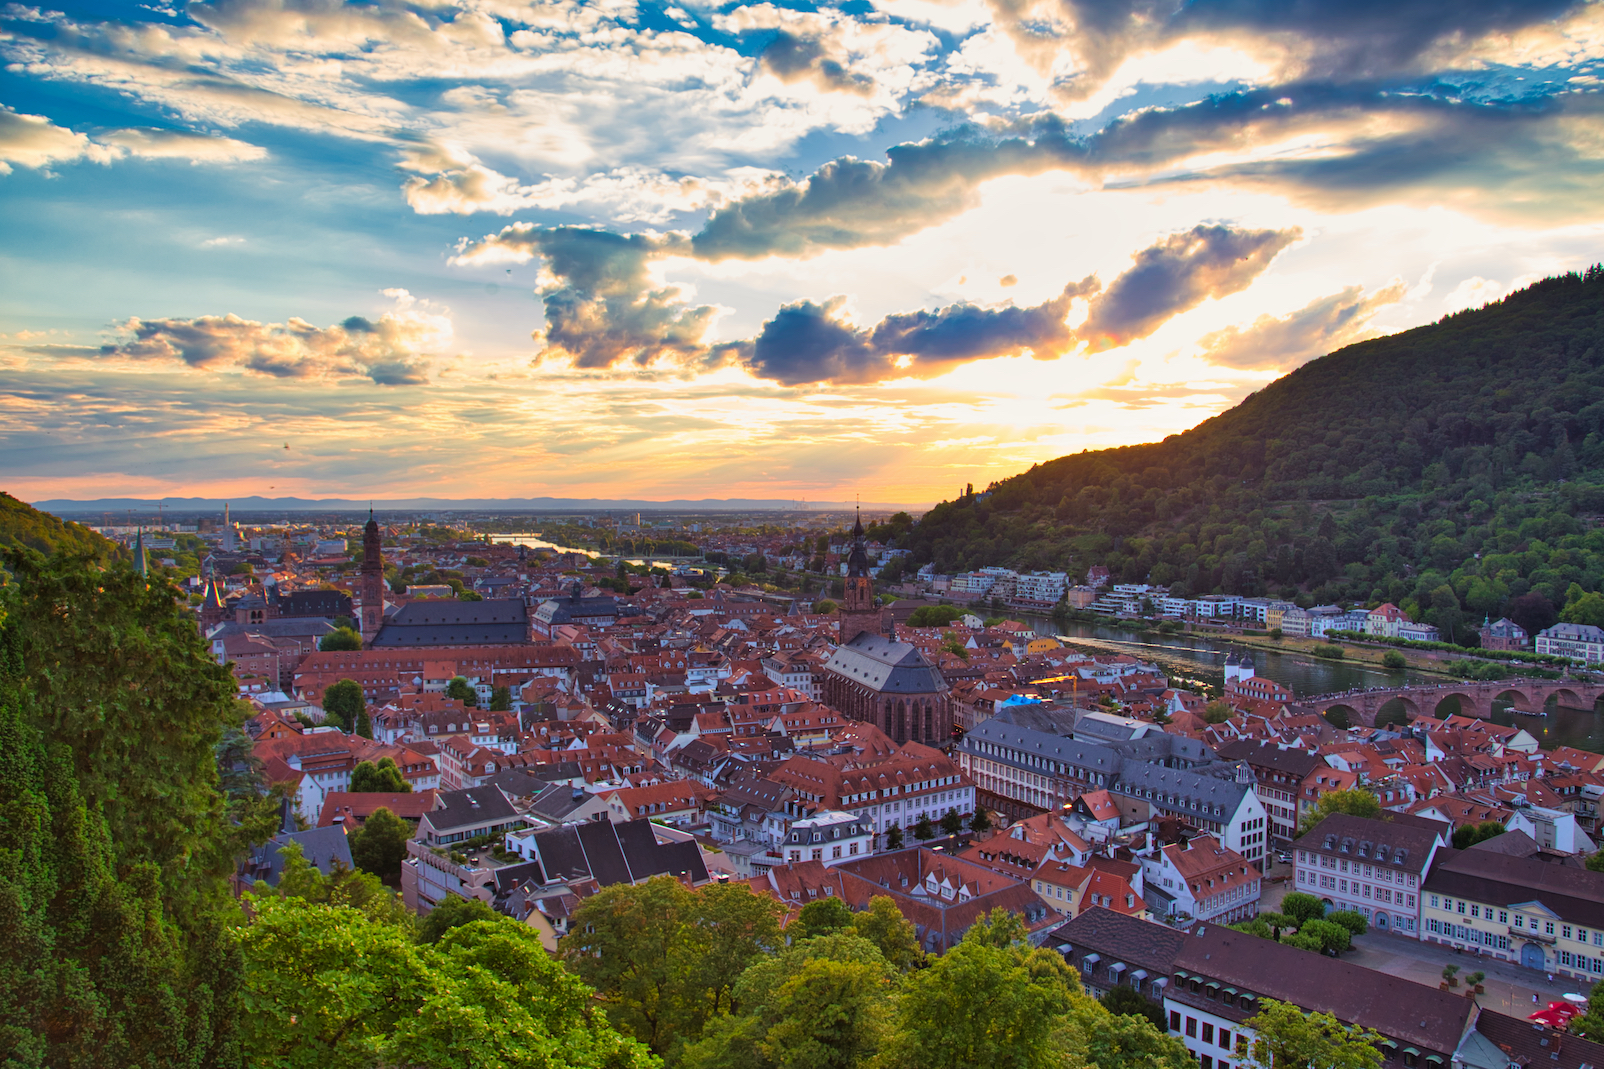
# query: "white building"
1584,642
829,836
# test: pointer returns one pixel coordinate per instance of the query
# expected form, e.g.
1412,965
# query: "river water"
1192,659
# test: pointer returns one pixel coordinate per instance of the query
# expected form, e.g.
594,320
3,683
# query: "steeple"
858,559
141,565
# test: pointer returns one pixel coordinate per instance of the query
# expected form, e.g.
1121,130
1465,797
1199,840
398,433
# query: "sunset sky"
491,248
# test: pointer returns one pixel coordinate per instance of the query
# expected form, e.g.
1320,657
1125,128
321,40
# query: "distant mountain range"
67,507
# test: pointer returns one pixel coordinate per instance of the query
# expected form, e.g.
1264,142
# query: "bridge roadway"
1475,698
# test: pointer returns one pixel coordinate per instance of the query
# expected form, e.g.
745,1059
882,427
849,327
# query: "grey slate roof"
322,847
466,808
1400,847
614,853
1297,763
886,665
447,622
1575,894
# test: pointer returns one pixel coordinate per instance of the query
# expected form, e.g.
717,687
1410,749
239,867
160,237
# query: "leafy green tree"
820,918
824,607
894,837
1468,835
382,778
980,820
380,845
501,699
341,639
952,822
327,986
1586,609
459,689
1123,1000
1394,660
364,724
1356,802
1333,938
891,933
361,891
453,911
1302,907
664,959
1590,1025
343,704
1595,862
1026,1001
923,830
1216,712
1128,1040
934,615
1287,1037
1351,919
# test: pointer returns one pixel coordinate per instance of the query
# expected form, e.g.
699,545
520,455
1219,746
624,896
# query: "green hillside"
23,525
1456,469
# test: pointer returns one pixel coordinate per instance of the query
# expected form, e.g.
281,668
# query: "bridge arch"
1518,699
1341,715
1397,709
1468,705
1569,698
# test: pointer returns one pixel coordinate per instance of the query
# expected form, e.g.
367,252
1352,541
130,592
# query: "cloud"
34,141
1319,327
180,145
1178,274
394,350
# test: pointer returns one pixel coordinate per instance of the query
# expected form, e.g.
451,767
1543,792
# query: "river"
1192,659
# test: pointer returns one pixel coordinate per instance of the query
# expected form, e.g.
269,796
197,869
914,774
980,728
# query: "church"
873,677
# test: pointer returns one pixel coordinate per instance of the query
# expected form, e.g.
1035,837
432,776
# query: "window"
1208,1032
1433,901
1461,906
1565,932
1175,1020
1548,927
1204,1061
1475,911
1520,922
1503,916
1191,1027
1225,1038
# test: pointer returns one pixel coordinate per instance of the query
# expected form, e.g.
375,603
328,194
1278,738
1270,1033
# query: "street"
1509,987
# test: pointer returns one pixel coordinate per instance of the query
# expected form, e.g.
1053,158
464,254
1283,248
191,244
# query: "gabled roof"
476,805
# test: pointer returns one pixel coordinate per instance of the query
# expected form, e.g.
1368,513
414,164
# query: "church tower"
372,579
859,613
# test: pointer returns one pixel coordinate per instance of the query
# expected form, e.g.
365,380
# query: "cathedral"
372,587
873,677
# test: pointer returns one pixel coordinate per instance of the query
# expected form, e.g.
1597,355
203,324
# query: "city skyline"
484,249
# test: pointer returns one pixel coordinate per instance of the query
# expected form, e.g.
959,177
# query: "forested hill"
23,525
1468,453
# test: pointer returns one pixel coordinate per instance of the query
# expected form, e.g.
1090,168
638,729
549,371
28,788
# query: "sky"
519,248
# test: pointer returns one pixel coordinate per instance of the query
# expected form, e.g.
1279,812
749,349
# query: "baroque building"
874,678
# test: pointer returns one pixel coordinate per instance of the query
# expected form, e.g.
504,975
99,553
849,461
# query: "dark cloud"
807,342
605,307
1176,275
1317,328
792,58
395,350
850,203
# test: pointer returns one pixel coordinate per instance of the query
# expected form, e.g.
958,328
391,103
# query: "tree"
1468,835
923,830
459,689
361,891
664,959
1127,1040
1216,712
894,837
891,933
820,918
453,912
329,987
1124,1000
1302,907
1394,660
382,778
1351,919
1590,1025
343,704
1356,802
939,1025
1333,938
934,615
1595,863
380,845
364,724
501,699
341,639
952,822
824,607
980,821
1287,1037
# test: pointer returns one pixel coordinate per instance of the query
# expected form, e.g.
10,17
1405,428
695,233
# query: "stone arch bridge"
1475,699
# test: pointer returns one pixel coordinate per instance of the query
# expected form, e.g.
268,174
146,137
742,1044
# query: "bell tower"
859,613
372,579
